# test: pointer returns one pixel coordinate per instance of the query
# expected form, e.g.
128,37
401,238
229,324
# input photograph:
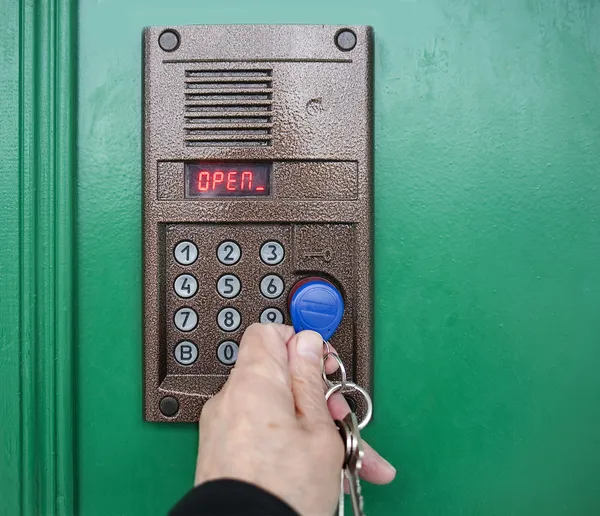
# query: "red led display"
227,179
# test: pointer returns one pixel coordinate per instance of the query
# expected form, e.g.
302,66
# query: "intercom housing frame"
321,127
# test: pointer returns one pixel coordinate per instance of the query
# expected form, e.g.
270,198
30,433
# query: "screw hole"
169,406
345,39
169,40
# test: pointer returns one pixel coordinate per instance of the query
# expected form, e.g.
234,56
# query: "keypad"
220,280
229,286
272,286
186,353
272,253
227,352
186,286
271,315
186,319
229,253
229,319
185,253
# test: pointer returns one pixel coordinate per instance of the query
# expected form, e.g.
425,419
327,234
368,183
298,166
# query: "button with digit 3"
271,286
229,319
271,315
229,253
272,253
227,352
186,353
229,286
185,253
186,286
186,319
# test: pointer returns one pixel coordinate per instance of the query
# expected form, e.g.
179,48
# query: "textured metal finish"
193,384
293,180
293,98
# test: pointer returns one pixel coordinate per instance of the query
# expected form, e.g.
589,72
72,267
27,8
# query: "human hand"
270,425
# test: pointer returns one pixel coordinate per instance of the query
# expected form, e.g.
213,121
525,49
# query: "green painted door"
487,255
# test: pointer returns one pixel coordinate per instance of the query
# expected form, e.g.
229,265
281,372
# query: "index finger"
263,346
263,350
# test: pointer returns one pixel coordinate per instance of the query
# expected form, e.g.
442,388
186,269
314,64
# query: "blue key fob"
316,304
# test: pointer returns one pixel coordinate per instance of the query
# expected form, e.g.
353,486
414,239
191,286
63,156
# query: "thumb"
305,355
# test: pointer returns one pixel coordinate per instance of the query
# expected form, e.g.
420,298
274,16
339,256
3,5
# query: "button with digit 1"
185,252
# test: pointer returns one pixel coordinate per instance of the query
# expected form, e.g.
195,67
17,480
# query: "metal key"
344,430
354,465
350,434
340,511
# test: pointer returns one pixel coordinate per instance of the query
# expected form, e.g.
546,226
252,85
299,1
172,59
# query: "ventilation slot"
228,108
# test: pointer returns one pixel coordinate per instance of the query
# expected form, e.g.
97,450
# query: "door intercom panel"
257,174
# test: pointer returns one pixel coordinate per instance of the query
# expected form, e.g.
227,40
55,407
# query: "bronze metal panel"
283,94
325,180
170,181
299,180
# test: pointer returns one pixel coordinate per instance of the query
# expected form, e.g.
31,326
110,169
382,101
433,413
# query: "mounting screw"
169,406
169,40
345,39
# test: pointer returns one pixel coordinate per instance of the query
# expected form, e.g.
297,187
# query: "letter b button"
186,353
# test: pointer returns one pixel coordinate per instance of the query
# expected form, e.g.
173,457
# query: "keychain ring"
327,346
328,383
352,386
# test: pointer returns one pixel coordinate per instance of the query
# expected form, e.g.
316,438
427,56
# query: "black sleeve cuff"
230,498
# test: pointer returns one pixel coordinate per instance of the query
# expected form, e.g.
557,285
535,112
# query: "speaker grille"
228,108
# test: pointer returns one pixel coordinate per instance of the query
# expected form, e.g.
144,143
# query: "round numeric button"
271,315
229,286
186,319
272,253
186,286
186,353
185,253
229,319
229,253
227,352
271,286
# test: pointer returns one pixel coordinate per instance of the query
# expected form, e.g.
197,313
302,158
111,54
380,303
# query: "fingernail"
388,465
309,345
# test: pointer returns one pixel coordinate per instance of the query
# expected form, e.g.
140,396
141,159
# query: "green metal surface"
487,256
37,96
